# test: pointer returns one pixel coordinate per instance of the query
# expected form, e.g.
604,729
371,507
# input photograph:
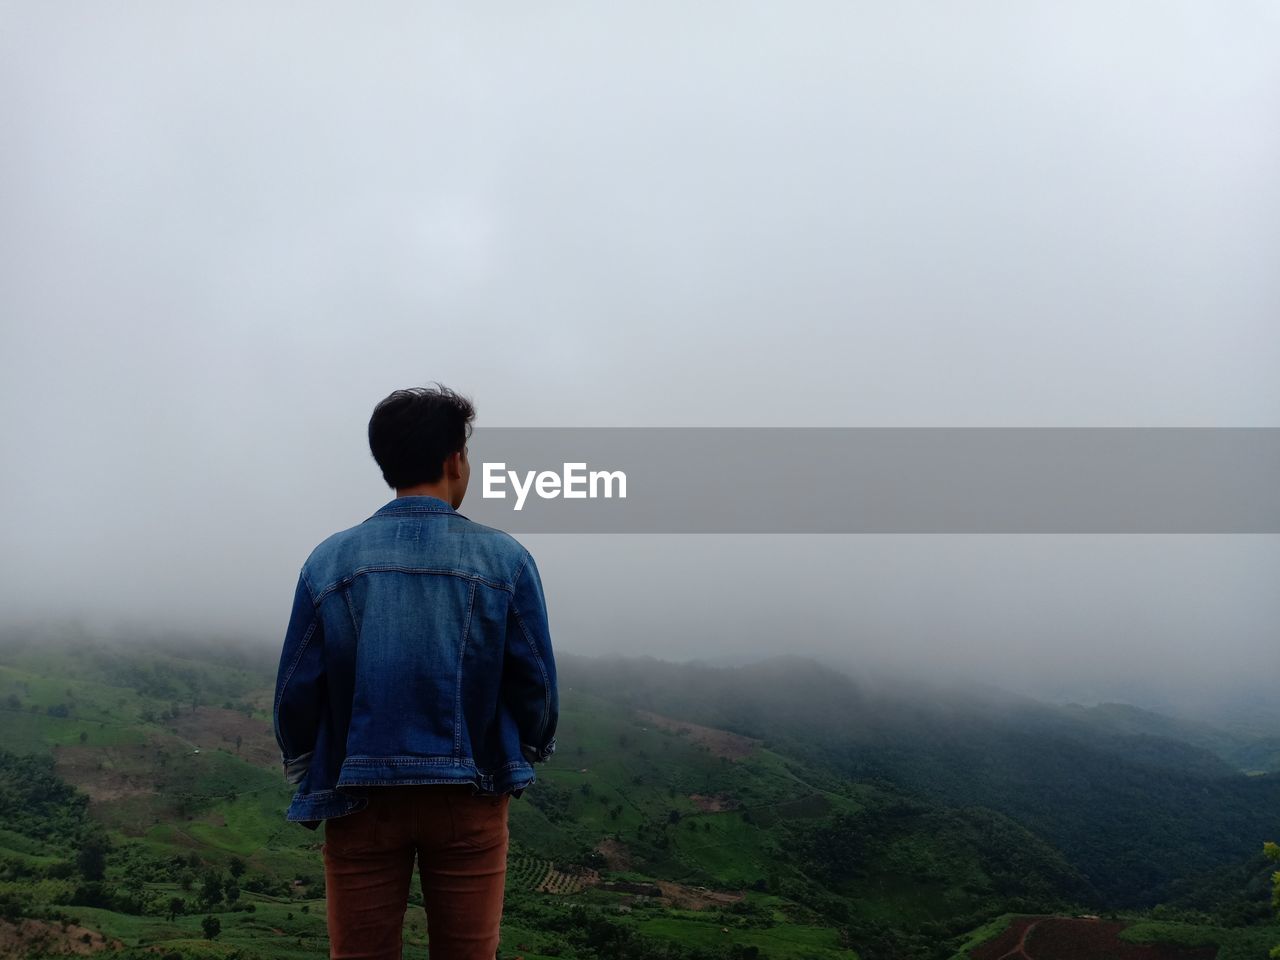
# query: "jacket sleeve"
529,669
300,685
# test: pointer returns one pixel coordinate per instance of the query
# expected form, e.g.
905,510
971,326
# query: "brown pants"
460,842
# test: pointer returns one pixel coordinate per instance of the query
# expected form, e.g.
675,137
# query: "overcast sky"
227,230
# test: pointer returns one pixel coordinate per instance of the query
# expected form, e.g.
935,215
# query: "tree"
92,860
211,891
176,906
135,879
236,867
212,926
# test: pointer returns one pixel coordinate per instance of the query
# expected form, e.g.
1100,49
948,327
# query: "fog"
229,230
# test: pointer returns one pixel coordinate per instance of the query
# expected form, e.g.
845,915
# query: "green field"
641,838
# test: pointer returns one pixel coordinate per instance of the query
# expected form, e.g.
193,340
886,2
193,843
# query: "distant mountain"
1135,810
1250,753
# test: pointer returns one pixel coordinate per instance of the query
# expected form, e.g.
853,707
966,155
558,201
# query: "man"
416,689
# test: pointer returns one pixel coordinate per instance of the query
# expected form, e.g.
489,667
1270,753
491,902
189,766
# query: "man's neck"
441,491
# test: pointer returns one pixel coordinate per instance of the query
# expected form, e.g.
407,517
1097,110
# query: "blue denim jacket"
417,651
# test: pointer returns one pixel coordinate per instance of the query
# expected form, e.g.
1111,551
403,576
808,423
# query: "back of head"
413,431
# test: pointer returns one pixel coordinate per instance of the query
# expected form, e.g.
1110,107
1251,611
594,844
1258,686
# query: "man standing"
416,689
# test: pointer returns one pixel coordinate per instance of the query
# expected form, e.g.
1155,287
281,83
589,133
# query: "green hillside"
141,795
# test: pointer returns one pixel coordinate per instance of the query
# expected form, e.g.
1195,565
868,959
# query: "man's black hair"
412,432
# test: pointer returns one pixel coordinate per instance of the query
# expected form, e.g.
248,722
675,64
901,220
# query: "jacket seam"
400,511
537,656
546,682
524,561
351,612
401,568
462,659
302,648
311,594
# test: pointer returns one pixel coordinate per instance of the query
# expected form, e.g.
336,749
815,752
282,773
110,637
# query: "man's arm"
300,685
529,667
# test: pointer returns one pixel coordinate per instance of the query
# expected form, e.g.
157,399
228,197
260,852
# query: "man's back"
418,652
416,689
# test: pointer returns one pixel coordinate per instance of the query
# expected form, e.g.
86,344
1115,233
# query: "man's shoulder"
500,540
499,549
333,541
328,554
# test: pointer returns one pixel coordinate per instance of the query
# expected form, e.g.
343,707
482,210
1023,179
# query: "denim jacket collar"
407,506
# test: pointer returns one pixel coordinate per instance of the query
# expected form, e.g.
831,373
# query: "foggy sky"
227,231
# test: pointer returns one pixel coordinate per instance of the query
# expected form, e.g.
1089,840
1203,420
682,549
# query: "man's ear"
453,465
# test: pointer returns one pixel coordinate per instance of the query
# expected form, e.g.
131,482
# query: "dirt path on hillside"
1019,951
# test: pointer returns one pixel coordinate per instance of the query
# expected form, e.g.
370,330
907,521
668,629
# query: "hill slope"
647,835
